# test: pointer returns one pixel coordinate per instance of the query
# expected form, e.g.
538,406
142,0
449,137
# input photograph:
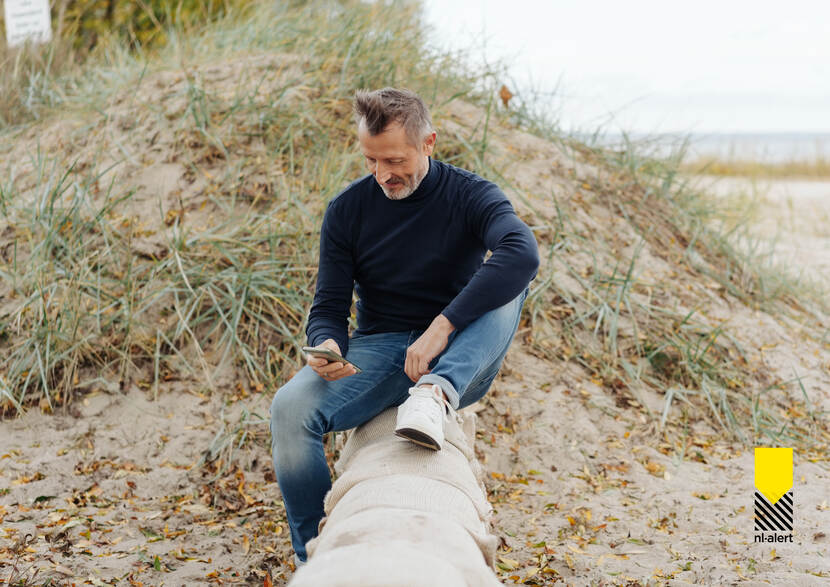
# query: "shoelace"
445,406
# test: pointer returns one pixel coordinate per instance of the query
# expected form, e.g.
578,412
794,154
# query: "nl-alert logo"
773,494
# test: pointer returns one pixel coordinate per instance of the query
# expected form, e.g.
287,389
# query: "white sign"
27,20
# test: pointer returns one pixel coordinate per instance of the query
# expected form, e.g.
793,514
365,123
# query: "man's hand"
428,346
326,370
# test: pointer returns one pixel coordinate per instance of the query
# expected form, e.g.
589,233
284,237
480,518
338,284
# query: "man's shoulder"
466,181
459,173
351,194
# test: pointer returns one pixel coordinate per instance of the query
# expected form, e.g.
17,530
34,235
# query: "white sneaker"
421,417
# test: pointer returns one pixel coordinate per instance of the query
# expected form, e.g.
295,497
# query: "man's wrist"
330,343
443,324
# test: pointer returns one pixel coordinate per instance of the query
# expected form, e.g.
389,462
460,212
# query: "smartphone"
329,355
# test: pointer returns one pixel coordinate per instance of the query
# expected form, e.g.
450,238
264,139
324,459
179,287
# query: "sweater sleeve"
329,315
512,265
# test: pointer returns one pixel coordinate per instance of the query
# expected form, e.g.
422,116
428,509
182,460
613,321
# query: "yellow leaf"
655,468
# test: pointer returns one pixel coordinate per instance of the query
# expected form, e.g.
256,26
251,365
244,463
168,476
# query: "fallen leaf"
151,535
655,468
24,479
505,95
70,524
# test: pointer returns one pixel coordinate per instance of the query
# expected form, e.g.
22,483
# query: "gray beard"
408,191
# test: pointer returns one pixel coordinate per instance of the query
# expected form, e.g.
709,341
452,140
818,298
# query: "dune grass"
86,303
83,300
645,337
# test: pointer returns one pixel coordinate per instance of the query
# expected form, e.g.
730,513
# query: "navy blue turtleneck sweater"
414,258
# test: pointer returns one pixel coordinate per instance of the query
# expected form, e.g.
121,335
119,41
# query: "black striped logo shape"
771,517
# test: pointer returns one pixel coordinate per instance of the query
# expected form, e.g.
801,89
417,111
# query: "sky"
650,66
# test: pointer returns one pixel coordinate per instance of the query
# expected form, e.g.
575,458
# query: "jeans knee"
277,409
292,412
282,406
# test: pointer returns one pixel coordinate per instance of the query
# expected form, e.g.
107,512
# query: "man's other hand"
325,369
428,346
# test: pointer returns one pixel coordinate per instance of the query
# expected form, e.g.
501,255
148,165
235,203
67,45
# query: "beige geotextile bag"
403,515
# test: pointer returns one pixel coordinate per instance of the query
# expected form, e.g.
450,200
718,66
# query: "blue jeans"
307,406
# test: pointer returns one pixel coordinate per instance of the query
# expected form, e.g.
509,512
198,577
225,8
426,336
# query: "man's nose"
381,173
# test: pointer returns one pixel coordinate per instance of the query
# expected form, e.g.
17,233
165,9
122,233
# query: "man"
434,321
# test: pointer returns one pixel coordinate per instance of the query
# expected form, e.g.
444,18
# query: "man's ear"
429,143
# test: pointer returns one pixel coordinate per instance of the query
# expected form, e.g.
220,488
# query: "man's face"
398,166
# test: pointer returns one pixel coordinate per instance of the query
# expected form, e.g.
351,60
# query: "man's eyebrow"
392,158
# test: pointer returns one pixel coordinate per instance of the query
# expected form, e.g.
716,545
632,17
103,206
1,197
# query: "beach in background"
762,148
776,186
786,218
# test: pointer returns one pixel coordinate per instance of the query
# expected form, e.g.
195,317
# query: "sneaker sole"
418,437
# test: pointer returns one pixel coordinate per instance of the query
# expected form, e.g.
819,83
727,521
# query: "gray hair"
379,108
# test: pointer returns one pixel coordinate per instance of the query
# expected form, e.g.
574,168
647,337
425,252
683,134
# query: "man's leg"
307,407
467,367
